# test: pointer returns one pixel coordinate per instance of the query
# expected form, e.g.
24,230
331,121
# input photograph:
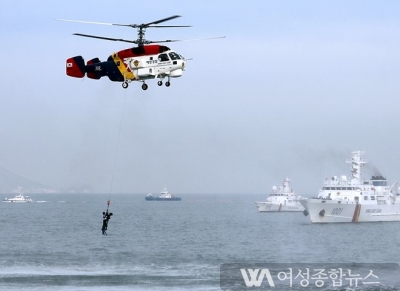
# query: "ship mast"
286,185
356,164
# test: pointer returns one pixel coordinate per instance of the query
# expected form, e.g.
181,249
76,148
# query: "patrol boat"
164,196
282,199
19,198
356,200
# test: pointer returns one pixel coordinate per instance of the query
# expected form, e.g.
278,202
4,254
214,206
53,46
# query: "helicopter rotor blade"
105,38
150,24
141,30
161,20
176,40
101,23
162,26
81,21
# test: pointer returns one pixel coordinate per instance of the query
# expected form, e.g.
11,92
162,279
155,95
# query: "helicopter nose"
179,63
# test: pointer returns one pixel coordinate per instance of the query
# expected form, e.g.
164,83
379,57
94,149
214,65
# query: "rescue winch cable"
117,146
115,161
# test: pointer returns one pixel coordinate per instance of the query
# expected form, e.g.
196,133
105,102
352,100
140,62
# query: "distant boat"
281,199
164,196
19,198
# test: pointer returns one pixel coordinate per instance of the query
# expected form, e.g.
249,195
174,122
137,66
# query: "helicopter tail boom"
76,67
93,71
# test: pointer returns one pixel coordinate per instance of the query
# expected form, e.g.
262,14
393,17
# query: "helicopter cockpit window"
163,58
174,56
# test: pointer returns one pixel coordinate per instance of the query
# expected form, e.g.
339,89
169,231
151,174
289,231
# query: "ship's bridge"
378,181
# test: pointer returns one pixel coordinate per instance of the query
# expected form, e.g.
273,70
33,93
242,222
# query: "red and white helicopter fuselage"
134,64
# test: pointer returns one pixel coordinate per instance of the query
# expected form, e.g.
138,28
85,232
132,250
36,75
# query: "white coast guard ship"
282,199
164,196
19,198
341,200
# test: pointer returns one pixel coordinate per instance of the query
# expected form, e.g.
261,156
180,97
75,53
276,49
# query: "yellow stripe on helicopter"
123,68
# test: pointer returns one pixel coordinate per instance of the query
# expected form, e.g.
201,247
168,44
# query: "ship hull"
162,199
274,207
334,211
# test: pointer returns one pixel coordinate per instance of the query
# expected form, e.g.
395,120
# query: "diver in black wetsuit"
106,218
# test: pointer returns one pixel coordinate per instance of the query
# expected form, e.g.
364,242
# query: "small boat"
164,196
282,199
354,200
19,198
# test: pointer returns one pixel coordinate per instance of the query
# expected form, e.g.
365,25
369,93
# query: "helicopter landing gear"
168,83
125,85
159,83
144,86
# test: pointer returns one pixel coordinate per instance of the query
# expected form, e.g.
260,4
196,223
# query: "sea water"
57,244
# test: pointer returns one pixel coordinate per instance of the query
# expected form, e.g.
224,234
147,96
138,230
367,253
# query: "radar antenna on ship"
356,164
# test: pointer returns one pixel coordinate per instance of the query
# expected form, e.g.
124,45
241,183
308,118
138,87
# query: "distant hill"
10,181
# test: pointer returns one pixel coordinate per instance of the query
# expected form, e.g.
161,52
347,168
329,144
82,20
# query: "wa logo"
256,277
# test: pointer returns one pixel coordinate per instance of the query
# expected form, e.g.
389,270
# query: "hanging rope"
116,152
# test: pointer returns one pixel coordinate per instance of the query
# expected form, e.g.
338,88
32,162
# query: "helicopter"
148,60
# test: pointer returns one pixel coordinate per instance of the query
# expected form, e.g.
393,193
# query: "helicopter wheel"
159,83
167,84
144,86
124,85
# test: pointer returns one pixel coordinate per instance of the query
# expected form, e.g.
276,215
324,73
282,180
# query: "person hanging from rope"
104,227
106,218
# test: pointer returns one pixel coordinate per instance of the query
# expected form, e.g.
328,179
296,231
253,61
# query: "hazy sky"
292,90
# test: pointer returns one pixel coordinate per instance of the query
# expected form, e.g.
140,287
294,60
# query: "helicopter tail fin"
93,61
76,67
